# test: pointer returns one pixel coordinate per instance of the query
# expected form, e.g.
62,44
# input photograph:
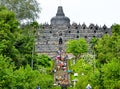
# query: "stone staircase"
61,76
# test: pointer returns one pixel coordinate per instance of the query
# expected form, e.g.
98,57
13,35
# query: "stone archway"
60,41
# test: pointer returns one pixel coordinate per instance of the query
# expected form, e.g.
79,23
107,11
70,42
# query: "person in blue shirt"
38,87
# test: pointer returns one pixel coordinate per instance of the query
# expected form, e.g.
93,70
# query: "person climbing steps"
61,74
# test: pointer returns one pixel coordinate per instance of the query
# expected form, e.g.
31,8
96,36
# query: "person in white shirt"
88,86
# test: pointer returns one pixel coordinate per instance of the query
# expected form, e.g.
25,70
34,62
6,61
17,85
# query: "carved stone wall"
48,38
53,37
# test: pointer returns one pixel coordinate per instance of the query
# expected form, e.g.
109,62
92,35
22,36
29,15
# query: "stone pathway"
61,76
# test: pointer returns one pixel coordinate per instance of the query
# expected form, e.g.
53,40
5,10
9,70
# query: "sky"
82,11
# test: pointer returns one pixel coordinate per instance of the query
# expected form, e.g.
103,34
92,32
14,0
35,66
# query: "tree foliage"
84,70
24,9
103,72
111,72
22,78
16,46
108,60
9,32
108,47
77,47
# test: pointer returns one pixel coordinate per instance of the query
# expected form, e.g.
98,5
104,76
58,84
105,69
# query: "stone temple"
53,37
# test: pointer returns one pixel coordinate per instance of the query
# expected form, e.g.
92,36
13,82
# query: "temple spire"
60,18
60,11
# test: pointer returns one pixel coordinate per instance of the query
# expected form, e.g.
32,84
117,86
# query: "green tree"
23,78
15,42
24,9
107,48
84,70
107,55
16,46
26,78
9,32
6,73
111,72
116,29
44,60
77,47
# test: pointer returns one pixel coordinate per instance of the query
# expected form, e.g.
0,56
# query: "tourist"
88,86
54,70
38,87
66,57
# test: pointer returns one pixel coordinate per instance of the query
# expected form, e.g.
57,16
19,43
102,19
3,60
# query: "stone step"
61,77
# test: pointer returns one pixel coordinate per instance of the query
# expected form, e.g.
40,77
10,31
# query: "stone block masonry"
53,37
